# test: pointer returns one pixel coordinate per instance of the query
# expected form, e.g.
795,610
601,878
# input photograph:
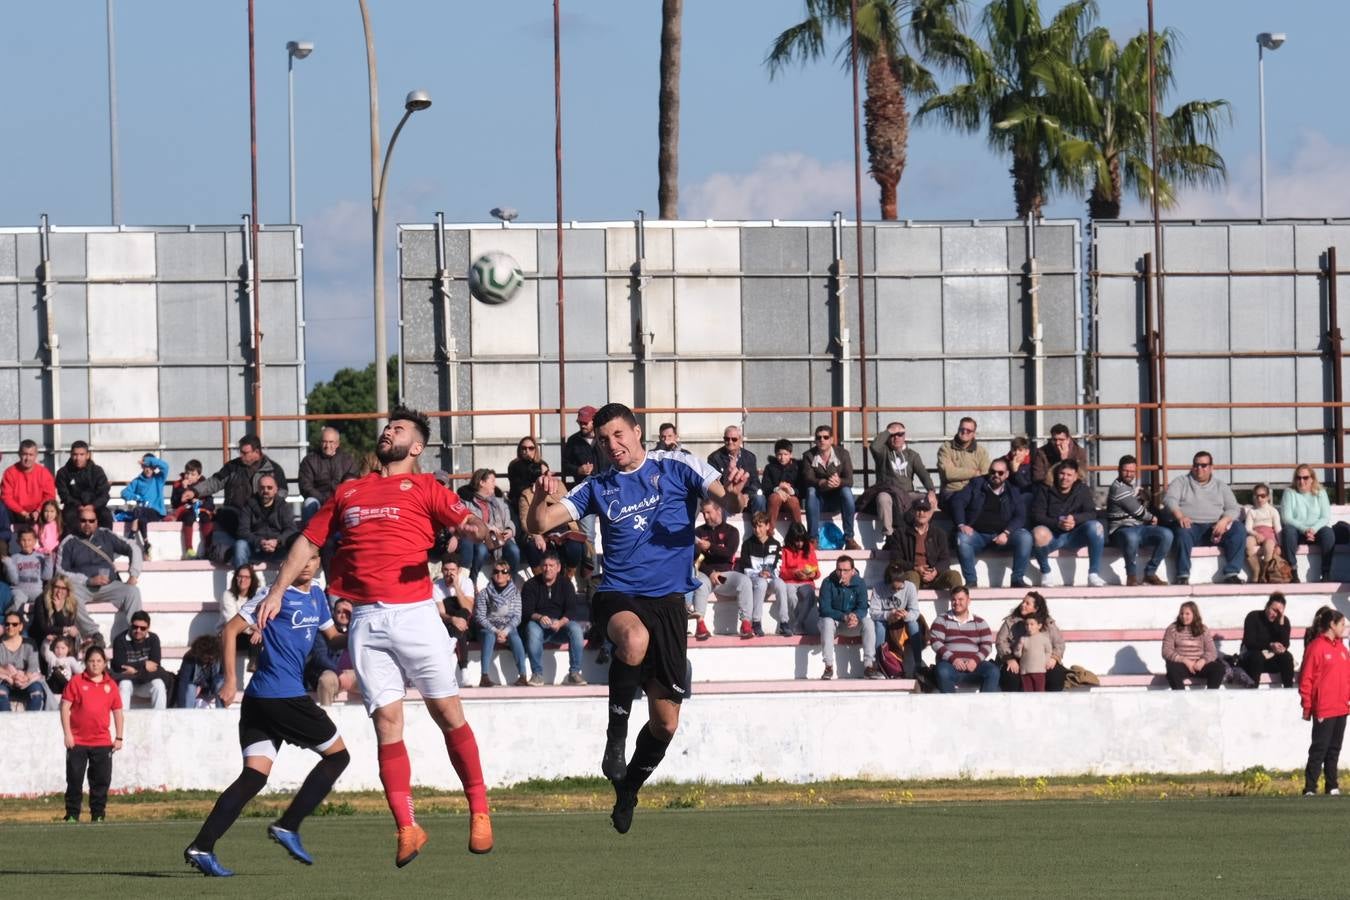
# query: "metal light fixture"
1266,40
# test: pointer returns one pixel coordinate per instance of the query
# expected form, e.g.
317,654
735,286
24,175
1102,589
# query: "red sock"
464,757
396,776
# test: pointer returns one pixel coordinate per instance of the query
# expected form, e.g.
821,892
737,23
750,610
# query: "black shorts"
667,624
295,720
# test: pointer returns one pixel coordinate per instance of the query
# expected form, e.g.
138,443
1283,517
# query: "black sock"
228,807
647,756
624,681
316,787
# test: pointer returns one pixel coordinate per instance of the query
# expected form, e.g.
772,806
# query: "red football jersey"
387,525
91,705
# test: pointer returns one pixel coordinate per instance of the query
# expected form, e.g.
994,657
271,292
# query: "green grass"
1248,847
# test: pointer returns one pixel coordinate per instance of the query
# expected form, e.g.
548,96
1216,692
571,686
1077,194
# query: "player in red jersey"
387,521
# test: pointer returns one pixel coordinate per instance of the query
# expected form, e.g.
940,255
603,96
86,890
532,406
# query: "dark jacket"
1258,632
911,469
125,652
967,504
814,476
320,475
838,600
75,558
81,486
538,599
776,473
900,545
1048,505
208,503
576,452
1044,458
258,523
239,482
724,540
719,459
757,555
520,474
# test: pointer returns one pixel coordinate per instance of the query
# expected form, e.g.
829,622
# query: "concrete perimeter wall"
732,738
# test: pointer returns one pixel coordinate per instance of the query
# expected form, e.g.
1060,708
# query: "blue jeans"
842,497
967,545
911,628
535,638
473,555
488,640
985,675
1090,533
308,509
1233,546
1129,539
34,696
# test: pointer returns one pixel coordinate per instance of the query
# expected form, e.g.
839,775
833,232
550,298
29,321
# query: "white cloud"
780,186
1315,183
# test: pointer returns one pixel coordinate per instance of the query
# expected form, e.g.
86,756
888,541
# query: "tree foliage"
350,391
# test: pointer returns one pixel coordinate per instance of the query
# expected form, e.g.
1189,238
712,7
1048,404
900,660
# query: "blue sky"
751,147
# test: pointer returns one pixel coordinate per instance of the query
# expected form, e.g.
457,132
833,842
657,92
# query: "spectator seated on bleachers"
326,671
322,470
896,467
923,550
1262,521
82,481
781,484
1059,448
1131,524
799,571
244,584
454,593
521,473
733,455
1188,650
63,663
827,476
1265,642
987,511
1205,511
86,559
137,665
496,612
550,612
1013,629
144,496
895,604
844,611
26,485
715,543
238,479
760,560
1305,512
27,570
1018,459
960,461
961,641
198,511
20,673
489,504
265,526
50,527
201,675
57,614
1065,515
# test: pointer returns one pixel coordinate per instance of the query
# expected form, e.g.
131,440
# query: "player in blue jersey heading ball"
646,504
276,708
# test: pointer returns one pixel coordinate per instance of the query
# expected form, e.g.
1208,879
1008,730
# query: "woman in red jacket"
1324,686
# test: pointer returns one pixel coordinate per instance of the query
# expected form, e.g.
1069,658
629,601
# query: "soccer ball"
495,277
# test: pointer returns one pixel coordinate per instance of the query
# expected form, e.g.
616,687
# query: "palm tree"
1115,155
891,72
1024,89
668,124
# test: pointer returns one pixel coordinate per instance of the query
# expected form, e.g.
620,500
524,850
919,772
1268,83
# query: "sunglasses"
140,627
965,431
13,624
732,440
896,434
1001,473
1303,478
501,571
822,437
528,447
1202,465
89,521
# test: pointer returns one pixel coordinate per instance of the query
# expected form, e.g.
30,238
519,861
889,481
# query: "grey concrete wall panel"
909,316
33,400
28,323
587,385
191,321
908,250
1198,381
1060,387
977,382
1119,248
1257,247
182,392
417,253
1312,381
190,254
9,321
9,399
1311,242
774,317
8,256
1120,316
421,319
1278,450
74,405
585,333
1055,247
975,315
909,383
773,251
1196,248
1059,314
974,249
778,383
820,248
276,254
277,306
1262,313
1197,314
67,254
583,252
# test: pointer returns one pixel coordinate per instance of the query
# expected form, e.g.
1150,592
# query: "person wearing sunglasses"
136,664
1205,511
960,460
1305,514
86,558
827,475
20,673
896,466
733,454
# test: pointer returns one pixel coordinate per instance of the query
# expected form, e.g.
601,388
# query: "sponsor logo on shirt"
355,515
405,485
617,513
299,619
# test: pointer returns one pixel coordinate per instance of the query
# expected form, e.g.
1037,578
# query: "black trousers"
1054,679
1324,752
1212,673
1254,664
98,760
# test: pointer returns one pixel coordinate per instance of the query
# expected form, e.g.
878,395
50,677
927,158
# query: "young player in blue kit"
646,503
276,709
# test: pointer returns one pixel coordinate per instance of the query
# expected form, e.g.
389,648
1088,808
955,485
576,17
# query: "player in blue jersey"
276,709
646,504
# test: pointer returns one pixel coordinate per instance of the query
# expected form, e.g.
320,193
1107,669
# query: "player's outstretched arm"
296,560
541,517
228,635
732,494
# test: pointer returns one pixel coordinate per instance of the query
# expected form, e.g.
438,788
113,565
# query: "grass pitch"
1248,847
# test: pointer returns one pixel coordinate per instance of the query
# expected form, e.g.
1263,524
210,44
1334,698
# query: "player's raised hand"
268,609
737,478
546,486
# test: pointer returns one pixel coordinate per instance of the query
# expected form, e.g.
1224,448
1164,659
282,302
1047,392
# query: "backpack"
831,537
891,653
1276,571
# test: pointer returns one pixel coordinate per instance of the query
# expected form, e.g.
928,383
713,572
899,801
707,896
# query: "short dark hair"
1059,428
965,419
270,475
1019,442
193,465
1127,460
611,411
895,571
1199,453
250,441
665,425
961,589
825,428
1069,463
408,414
846,559
27,444
782,444
79,445
95,648
1276,597
141,615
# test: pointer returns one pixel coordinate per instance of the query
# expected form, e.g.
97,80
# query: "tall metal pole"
381,340
857,204
290,127
1261,94
115,187
1161,355
253,234
558,187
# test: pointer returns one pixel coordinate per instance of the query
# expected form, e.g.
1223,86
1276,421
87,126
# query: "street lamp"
416,100
1264,41
294,50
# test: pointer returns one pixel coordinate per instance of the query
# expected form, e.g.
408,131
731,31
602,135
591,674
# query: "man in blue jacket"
843,610
991,511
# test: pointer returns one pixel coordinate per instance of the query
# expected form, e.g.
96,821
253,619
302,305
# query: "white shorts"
397,644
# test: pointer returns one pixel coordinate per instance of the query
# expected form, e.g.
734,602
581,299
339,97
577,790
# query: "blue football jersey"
287,640
646,522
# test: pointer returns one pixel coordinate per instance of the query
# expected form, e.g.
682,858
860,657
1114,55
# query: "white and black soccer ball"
495,277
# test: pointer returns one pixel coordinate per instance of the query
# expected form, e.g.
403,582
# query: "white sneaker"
1334,792
1096,580
1051,579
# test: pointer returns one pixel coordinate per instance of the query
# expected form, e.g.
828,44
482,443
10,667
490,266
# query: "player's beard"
390,454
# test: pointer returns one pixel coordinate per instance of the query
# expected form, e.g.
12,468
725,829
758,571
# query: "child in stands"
199,511
146,494
50,529
1033,651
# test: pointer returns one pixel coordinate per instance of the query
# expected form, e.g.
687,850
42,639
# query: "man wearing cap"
578,454
922,550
